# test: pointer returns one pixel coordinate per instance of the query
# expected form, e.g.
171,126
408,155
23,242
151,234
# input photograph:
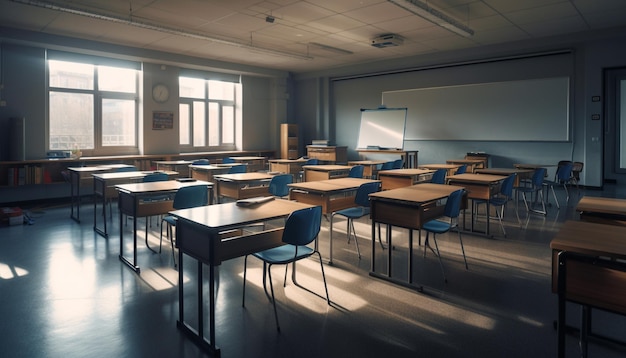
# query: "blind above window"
92,60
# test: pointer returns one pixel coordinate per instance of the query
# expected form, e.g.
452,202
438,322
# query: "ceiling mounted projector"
387,40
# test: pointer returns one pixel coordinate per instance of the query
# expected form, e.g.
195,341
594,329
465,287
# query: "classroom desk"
255,164
408,207
132,203
332,195
207,171
451,168
78,174
478,186
104,188
398,178
242,185
180,166
522,174
610,211
408,156
586,270
325,172
287,166
198,236
370,167
472,164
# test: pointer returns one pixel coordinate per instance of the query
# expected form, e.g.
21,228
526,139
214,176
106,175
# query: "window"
207,113
92,106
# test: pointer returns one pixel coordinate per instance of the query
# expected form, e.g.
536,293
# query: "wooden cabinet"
331,154
289,141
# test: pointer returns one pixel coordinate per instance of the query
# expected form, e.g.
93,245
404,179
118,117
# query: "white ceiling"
344,24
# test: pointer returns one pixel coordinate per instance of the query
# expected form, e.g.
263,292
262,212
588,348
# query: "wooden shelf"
289,141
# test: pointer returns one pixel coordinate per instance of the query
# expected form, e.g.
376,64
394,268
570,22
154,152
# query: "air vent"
388,40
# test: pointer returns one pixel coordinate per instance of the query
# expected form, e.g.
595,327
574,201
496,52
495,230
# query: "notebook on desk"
254,201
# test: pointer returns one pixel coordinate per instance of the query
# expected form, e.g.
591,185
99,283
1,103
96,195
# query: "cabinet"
331,154
289,141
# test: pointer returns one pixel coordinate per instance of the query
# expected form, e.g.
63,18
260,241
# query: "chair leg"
439,257
500,214
245,270
269,273
462,248
554,196
358,251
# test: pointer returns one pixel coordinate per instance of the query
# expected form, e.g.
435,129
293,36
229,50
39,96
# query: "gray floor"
65,293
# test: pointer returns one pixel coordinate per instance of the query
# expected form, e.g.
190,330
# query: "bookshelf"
289,141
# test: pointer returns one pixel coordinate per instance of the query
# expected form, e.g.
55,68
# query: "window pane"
71,75
199,128
184,120
214,124
118,122
191,87
71,121
228,124
222,90
117,79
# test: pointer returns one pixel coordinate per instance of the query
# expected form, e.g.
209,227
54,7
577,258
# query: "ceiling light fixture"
433,15
335,50
160,28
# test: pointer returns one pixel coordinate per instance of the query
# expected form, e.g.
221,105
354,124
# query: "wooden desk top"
223,216
533,166
287,161
324,168
484,179
602,205
439,166
405,172
464,161
591,239
174,162
247,158
331,185
419,193
367,162
243,177
209,167
128,175
157,186
504,171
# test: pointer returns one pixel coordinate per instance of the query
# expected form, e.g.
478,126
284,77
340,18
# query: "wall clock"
160,93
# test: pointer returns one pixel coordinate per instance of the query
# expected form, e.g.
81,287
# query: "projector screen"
382,128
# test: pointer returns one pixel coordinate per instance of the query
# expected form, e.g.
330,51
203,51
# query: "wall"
362,86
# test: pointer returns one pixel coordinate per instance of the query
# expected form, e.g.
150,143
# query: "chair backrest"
356,171
312,161
156,176
564,172
537,179
278,184
362,197
236,169
439,176
127,169
201,162
387,166
506,188
302,226
228,160
398,164
453,204
461,170
191,197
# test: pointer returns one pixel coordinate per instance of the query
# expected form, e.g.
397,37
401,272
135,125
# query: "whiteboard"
383,128
527,110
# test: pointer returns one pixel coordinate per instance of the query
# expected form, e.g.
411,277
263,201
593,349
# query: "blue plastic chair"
228,160
301,228
236,169
398,164
154,177
563,177
127,169
356,171
185,198
437,226
500,199
439,176
535,187
310,161
362,201
461,170
201,162
385,166
278,185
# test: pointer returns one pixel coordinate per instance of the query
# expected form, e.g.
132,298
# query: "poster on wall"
162,120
